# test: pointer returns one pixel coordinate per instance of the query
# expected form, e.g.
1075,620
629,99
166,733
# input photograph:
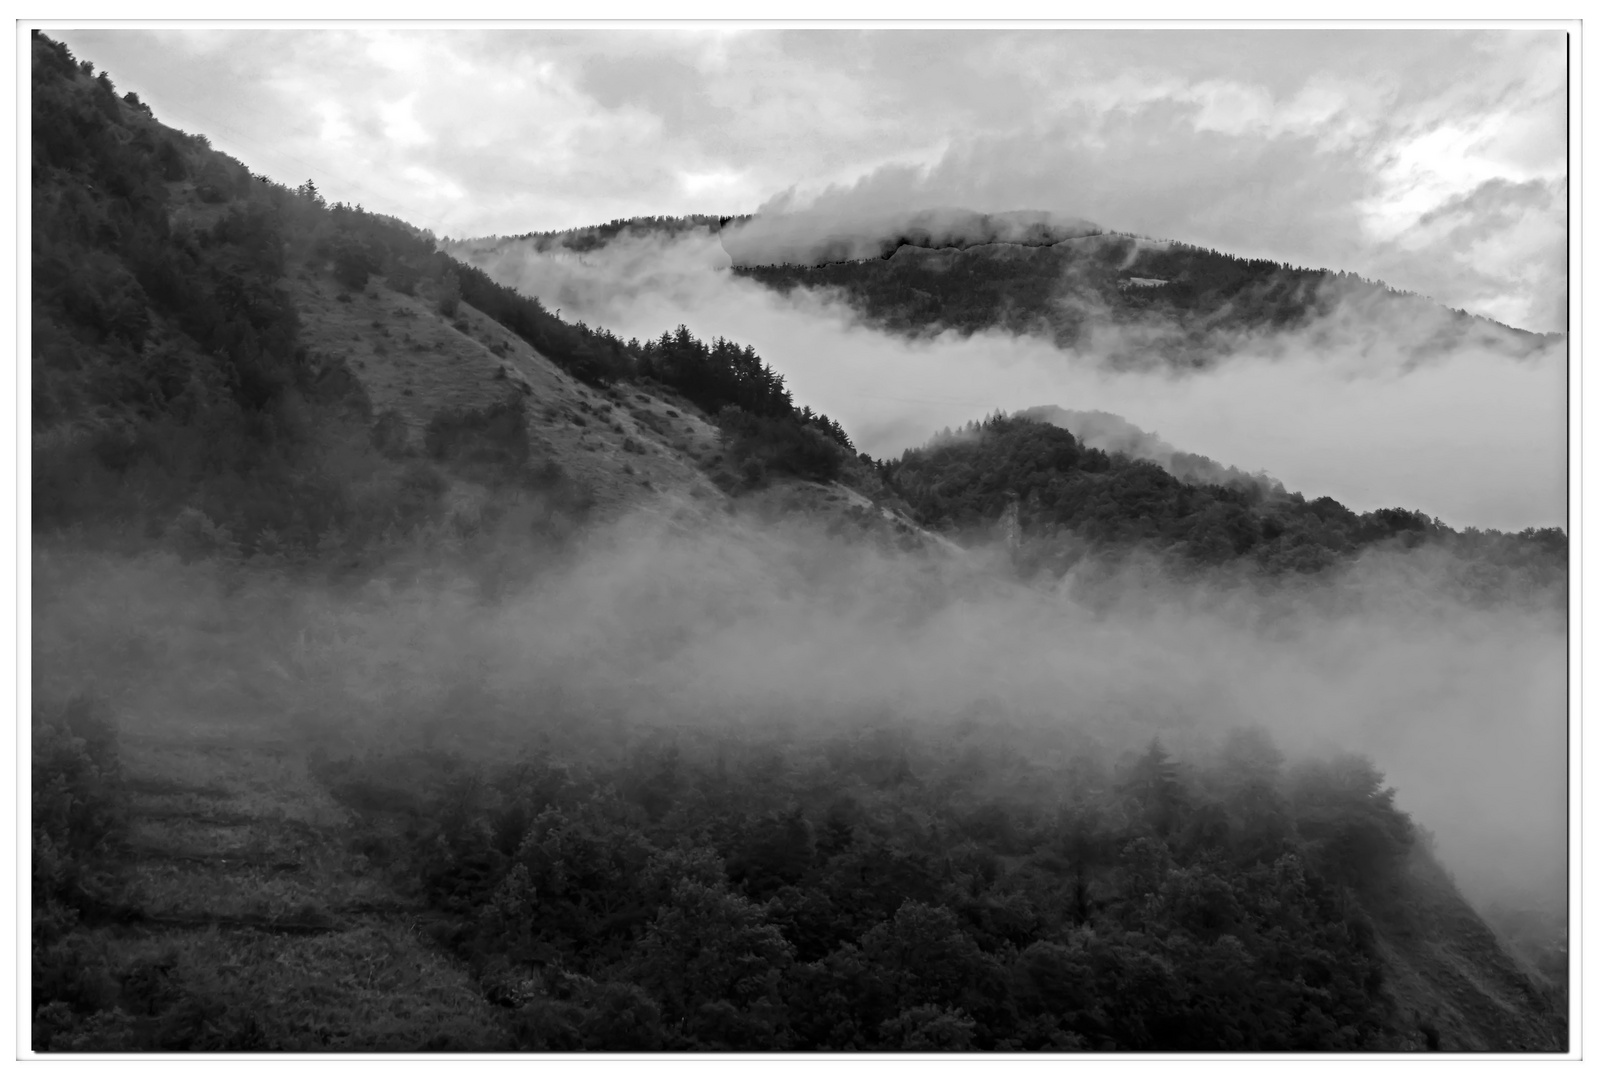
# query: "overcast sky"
1435,160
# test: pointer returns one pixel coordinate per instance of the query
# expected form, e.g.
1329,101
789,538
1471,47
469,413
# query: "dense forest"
878,889
486,871
1189,303
1070,500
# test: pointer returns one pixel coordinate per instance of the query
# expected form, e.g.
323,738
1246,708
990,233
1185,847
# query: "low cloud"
1375,405
1392,406
734,628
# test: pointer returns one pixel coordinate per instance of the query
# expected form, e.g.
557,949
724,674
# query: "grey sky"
1435,160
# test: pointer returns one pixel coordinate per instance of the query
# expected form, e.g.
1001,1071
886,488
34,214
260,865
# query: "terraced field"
246,916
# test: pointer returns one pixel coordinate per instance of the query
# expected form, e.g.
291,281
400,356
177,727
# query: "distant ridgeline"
1186,304
591,237
814,238
1070,500
801,239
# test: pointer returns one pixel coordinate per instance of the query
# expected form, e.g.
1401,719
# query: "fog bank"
736,627
1369,410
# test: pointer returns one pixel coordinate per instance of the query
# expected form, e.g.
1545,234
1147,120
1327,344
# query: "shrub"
402,277
451,294
78,798
496,436
768,444
351,267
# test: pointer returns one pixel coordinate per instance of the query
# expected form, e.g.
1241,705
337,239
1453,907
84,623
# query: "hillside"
1134,302
1064,501
414,670
179,293
1138,302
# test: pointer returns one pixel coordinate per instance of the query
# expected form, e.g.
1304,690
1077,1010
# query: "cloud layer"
1435,160
736,627
1373,409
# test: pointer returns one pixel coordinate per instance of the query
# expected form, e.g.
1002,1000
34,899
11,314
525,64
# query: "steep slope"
204,328
622,445
1451,973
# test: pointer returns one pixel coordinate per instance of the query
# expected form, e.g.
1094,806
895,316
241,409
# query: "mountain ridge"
922,235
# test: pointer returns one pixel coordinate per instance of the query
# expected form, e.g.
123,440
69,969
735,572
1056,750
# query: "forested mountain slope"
207,339
343,737
1139,302
1132,301
1065,500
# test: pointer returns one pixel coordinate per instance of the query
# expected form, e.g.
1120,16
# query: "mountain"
804,239
365,719
231,342
1064,500
1137,302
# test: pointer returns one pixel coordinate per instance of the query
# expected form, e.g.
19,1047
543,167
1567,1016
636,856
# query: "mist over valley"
847,625
1407,405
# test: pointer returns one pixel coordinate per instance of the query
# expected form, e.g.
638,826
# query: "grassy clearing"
246,917
415,362
1447,970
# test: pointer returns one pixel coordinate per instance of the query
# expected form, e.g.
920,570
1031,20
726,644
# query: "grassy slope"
1447,968
415,361
633,448
243,893
244,915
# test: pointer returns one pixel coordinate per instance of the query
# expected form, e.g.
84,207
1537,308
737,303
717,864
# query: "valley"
415,670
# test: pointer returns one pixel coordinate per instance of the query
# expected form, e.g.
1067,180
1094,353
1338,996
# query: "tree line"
1072,499
1068,289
